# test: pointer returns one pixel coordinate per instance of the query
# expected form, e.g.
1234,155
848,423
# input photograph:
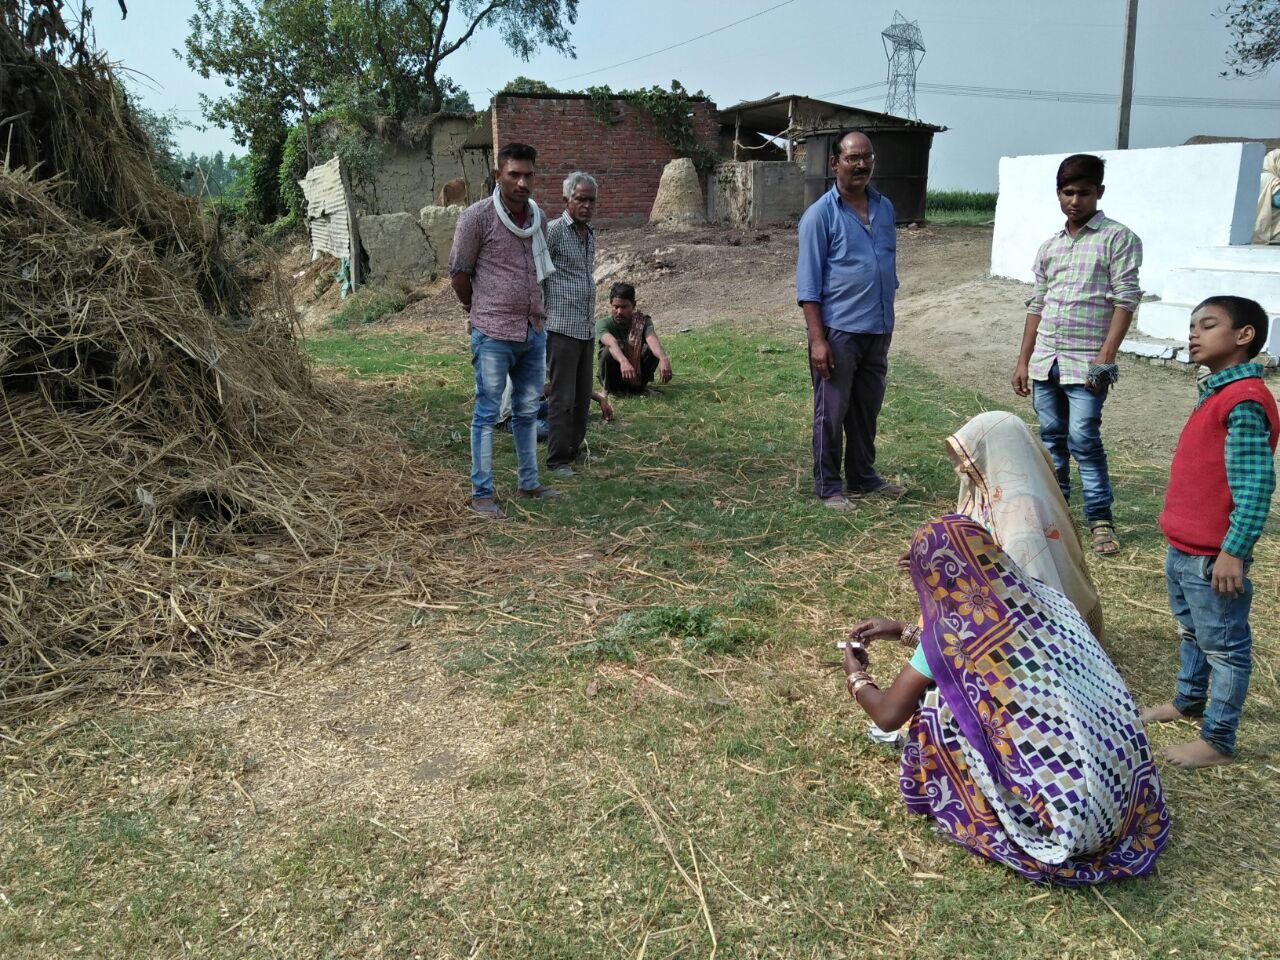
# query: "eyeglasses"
852,158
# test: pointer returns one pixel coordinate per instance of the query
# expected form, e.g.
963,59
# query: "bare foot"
1162,714
1194,755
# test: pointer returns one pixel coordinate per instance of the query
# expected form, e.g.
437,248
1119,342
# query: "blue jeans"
1071,427
1216,647
526,363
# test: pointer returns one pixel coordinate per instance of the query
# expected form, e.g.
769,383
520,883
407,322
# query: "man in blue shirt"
846,276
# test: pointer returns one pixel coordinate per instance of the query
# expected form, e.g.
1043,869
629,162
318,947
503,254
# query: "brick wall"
626,157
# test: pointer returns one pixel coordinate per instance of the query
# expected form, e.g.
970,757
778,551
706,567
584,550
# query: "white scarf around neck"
541,255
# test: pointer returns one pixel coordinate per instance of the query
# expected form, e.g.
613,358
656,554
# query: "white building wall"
1175,198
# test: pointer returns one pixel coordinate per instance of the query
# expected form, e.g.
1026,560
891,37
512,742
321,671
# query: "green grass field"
681,773
959,207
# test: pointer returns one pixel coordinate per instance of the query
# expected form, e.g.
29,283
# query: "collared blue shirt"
848,267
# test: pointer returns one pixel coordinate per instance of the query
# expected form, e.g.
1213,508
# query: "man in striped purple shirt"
1086,290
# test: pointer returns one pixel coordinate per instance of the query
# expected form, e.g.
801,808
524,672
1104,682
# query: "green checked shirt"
1250,473
1080,281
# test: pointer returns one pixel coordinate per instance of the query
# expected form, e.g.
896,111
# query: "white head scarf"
541,255
1007,484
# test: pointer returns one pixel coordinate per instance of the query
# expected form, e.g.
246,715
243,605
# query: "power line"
1068,96
645,56
1075,96
865,86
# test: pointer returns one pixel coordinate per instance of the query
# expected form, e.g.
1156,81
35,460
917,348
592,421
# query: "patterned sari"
1028,750
1007,484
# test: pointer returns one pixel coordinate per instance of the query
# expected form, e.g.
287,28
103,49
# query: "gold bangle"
911,635
856,681
862,682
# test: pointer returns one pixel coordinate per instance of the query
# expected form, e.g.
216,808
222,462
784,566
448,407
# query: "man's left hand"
1228,576
664,370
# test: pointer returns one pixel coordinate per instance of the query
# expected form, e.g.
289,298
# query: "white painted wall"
1174,198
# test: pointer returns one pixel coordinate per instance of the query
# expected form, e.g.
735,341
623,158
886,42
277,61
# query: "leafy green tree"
162,146
455,99
523,84
211,176
280,58
1255,31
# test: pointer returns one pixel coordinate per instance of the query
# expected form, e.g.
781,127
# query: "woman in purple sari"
1024,744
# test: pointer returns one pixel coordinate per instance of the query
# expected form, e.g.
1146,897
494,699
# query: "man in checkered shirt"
1085,294
571,302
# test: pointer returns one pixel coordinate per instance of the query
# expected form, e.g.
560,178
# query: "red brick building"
625,156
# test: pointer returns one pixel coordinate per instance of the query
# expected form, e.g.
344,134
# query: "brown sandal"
1104,537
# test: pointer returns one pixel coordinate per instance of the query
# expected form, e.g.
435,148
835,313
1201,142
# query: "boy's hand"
1021,380
1228,576
664,370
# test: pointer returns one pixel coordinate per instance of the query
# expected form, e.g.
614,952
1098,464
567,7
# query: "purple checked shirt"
1080,281
506,298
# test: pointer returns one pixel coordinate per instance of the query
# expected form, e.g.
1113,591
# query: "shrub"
367,305
694,629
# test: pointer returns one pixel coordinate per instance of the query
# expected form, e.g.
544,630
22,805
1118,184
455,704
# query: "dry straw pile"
174,488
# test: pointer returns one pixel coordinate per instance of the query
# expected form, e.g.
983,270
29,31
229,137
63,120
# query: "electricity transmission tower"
904,61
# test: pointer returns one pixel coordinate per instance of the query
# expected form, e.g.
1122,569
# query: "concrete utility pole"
1126,73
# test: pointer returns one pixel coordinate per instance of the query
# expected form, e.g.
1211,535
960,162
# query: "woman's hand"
875,628
855,660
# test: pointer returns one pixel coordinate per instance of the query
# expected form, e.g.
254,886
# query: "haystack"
174,487
73,123
679,201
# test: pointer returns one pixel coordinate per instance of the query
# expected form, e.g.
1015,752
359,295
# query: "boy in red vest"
1220,486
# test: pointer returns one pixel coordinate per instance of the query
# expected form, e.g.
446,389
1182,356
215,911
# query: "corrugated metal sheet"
328,216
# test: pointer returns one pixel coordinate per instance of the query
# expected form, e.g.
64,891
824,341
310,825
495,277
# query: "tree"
162,147
1255,29
523,84
282,58
455,99
212,177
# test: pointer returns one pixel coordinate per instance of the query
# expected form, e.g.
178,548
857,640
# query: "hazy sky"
819,47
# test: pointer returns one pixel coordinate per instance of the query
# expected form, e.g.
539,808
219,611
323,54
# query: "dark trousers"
845,410
569,402
611,373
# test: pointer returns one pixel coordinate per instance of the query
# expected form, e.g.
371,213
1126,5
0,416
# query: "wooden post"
1126,75
737,129
791,119
353,228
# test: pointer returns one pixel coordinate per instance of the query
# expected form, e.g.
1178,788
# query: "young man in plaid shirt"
1085,295
1220,486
